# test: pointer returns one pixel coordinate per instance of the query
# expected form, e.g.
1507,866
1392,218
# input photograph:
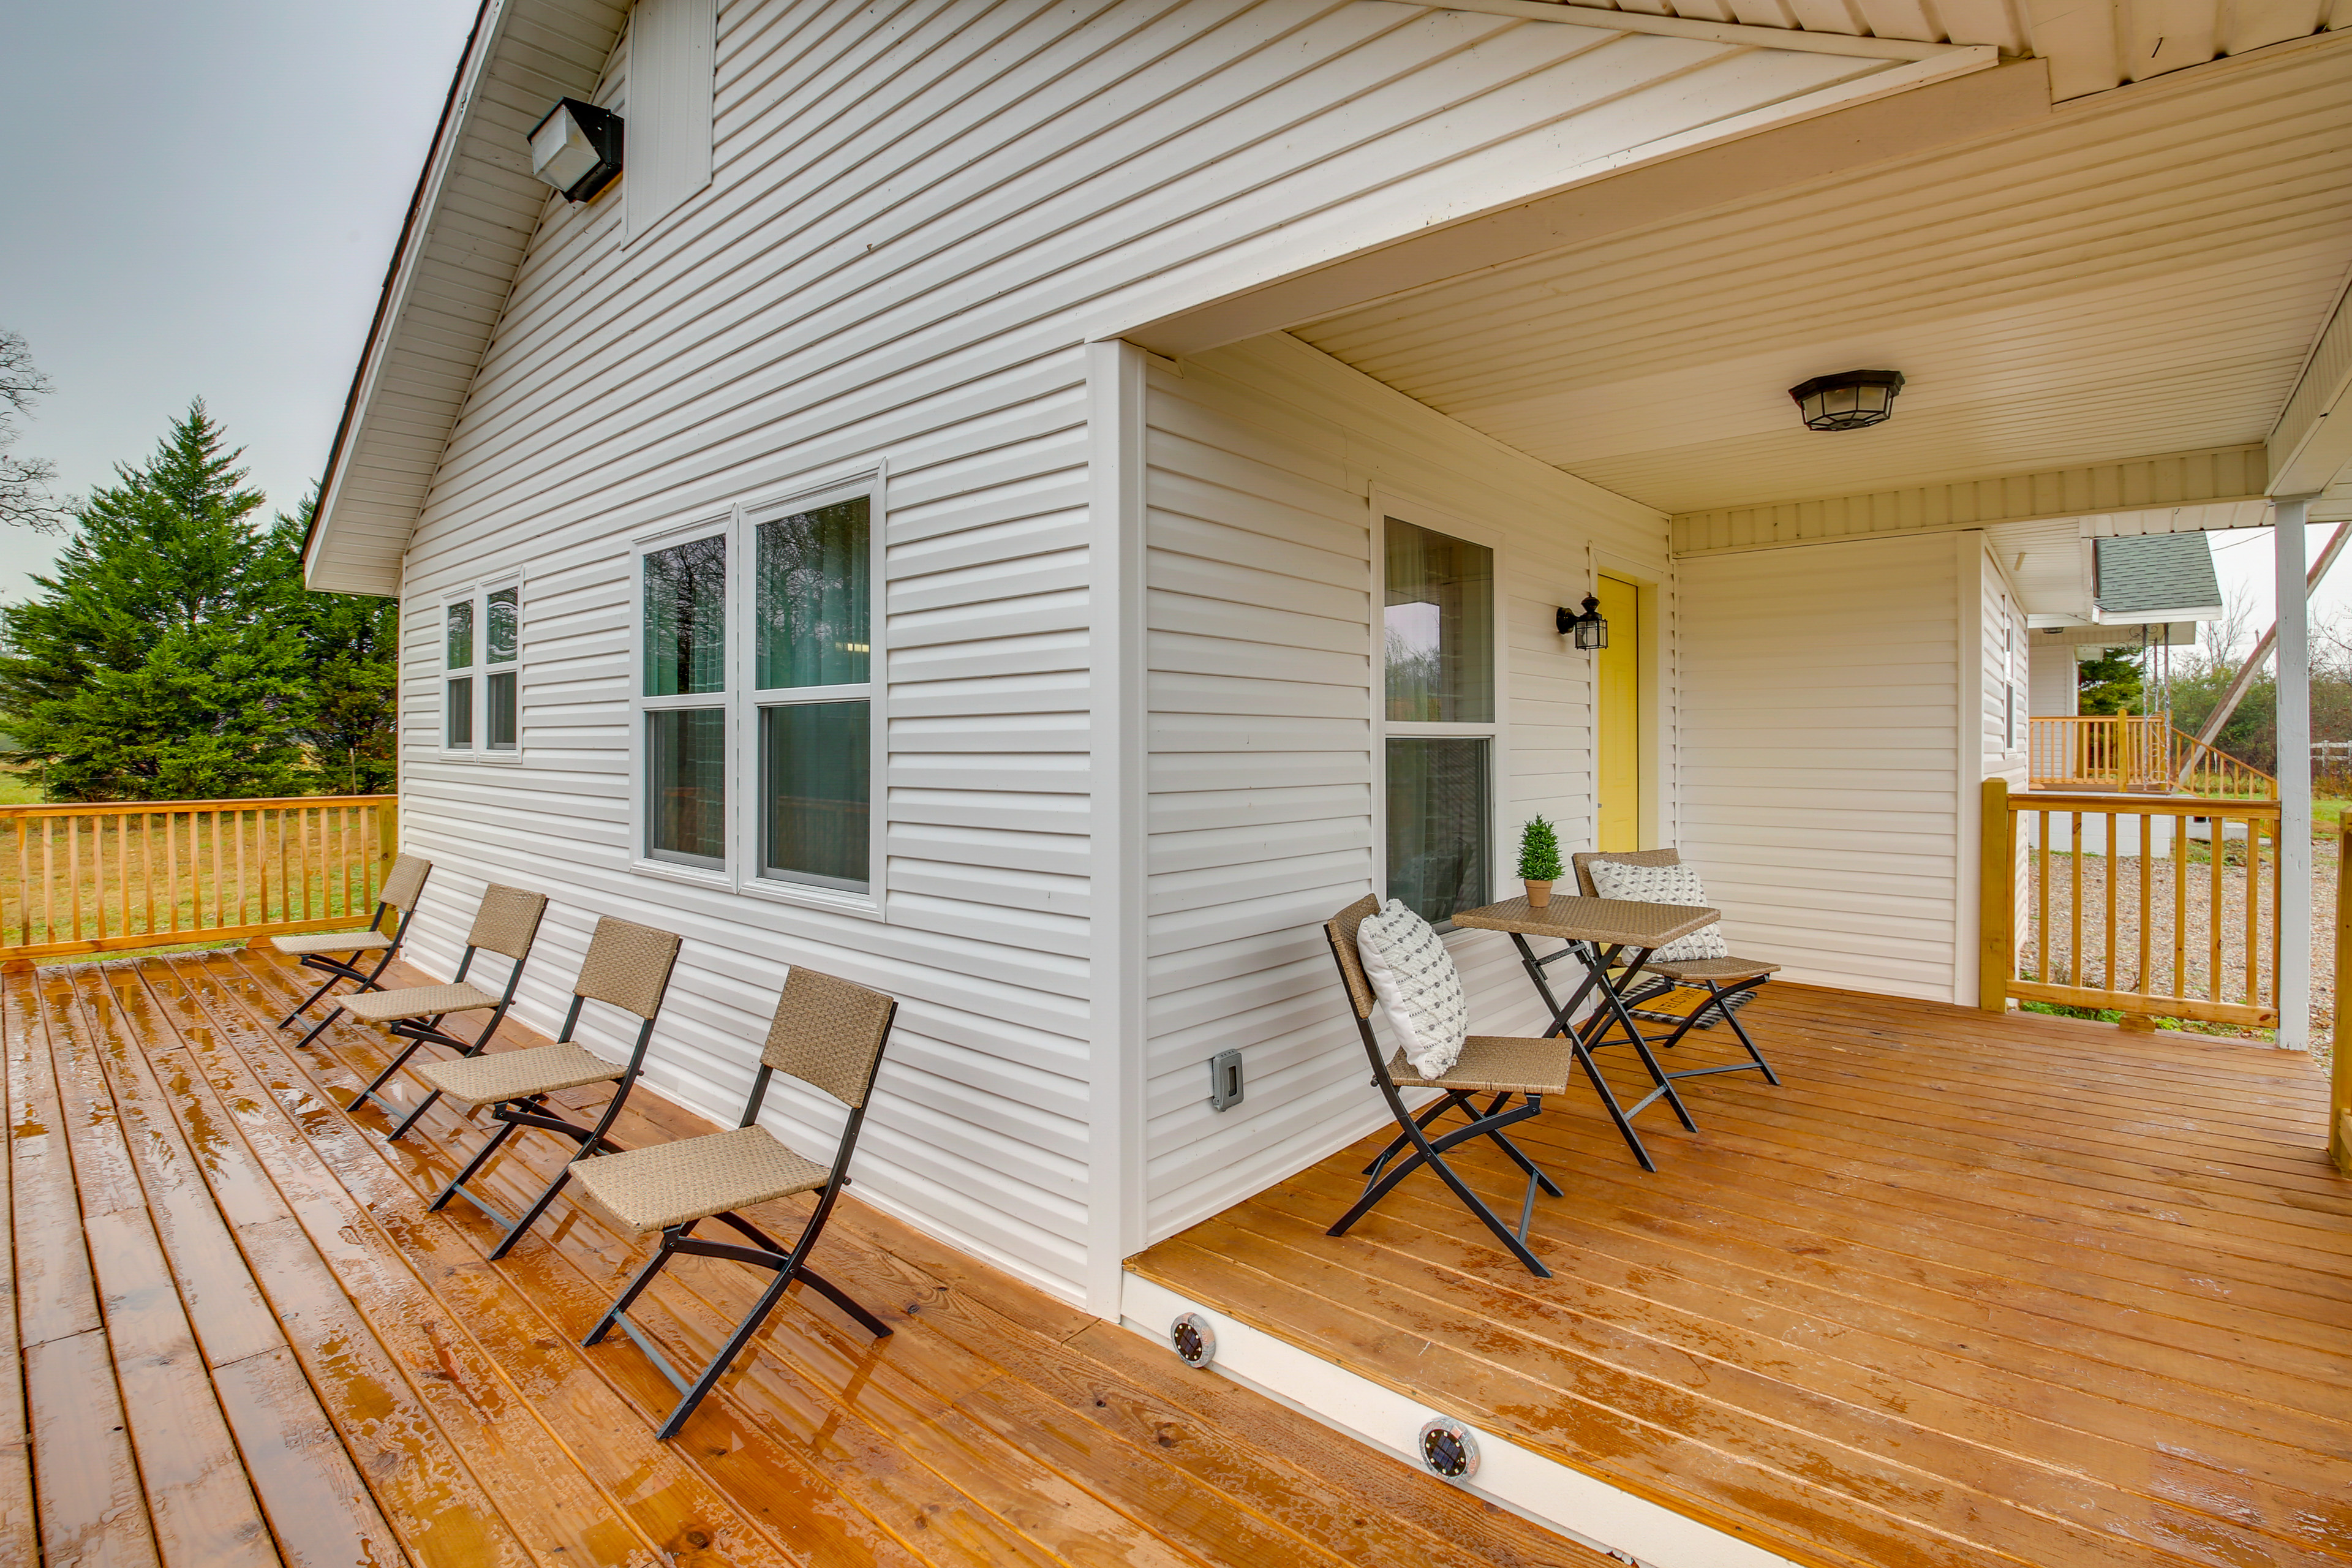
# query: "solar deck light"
577,148
1588,629
1850,400
1449,1449
1194,1341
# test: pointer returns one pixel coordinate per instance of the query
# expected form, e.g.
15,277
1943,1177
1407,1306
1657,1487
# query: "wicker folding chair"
1728,984
628,966
402,887
827,1033
1506,1067
507,923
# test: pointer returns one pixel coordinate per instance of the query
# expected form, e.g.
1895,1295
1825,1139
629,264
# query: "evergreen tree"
350,648
160,661
2110,683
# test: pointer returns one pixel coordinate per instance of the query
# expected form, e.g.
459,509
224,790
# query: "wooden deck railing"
100,878
2139,754
2158,907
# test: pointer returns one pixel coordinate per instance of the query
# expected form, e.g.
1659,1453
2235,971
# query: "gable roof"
2157,577
469,220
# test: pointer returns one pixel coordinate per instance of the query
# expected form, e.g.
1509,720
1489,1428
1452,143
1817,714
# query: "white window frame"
739,525
1438,519
479,672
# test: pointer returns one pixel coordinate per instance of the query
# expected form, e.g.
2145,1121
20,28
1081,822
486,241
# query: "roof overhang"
469,220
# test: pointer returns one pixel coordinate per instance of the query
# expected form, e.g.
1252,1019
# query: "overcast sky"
201,203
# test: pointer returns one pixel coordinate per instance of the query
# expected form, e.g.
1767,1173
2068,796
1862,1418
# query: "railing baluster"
2180,906
2041,892
2253,914
73,878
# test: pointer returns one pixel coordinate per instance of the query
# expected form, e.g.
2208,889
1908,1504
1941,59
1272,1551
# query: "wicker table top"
1614,922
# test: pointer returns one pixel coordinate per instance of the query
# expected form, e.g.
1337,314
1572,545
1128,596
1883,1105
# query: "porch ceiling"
2144,272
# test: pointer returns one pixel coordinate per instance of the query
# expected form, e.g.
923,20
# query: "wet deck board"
1964,1290
320,1372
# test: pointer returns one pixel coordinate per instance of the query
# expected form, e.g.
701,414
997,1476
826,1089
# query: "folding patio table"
1601,934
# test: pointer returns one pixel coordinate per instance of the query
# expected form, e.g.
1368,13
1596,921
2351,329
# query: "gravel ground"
2197,933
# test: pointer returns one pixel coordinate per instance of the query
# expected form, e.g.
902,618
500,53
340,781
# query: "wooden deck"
244,1341
1966,1289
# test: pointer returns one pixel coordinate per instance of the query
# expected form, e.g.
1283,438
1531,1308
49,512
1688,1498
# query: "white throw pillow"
1663,885
1418,986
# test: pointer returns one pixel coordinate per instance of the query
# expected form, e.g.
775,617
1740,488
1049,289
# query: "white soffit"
476,206
2144,272
2091,44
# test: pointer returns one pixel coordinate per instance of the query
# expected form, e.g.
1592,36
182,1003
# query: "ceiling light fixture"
1850,400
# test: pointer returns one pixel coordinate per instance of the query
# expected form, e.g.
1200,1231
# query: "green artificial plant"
1538,852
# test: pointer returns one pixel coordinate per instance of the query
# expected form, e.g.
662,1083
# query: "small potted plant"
1539,860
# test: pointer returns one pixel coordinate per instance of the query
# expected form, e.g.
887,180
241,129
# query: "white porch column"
2293,666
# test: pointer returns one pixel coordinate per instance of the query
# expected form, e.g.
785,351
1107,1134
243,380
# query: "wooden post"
1997,949
2339,1119
387,841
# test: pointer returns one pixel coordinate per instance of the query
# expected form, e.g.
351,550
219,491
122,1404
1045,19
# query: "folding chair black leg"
726,1354
377,1082
409,1121
529,1216
1426,1153
288,1021
1608,1103
481,1157
1732,1018
318,1028
636,1286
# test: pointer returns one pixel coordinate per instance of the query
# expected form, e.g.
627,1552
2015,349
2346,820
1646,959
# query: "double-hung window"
758,694
1440,734
481,694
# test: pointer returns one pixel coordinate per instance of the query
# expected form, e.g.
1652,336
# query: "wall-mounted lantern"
576,148
1850,400
1588,629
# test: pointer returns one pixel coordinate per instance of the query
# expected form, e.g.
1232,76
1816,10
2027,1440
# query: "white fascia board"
2156,618
443,158
2312,442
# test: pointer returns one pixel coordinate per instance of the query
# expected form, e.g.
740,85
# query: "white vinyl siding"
916,218
1821,779
1264,464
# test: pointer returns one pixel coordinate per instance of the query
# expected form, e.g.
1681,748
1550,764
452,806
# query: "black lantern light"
1850,400
577,148
1588,629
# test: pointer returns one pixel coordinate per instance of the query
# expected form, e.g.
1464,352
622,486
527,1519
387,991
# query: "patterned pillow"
1418,986
1663,885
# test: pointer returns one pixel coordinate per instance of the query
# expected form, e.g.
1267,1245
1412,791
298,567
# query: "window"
458,704
482,655
1438,674
779,705
685,734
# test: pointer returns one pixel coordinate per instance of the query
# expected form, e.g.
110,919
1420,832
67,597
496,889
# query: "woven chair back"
1342,928
628,965
507,921
405,884
1583,863
829,1033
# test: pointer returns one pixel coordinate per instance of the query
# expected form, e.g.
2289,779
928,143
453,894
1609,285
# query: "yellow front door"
1619,728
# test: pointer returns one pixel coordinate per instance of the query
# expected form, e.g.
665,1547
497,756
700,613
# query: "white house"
944,512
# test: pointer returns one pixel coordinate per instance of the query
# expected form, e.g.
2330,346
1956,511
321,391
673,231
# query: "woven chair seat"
1493,1064
417,1002
664,1184
470,1082
331,942
1719,970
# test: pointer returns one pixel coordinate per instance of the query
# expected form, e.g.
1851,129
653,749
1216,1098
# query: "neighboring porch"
1968,1289
242,1341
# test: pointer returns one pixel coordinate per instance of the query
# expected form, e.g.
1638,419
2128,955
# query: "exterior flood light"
1588,629
1850,400
577,148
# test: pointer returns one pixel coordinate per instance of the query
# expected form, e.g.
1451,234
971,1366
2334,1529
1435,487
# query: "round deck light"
1449,1449
1194,1341
576,148
1850,400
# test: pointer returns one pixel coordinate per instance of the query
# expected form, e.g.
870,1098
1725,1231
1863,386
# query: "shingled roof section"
2170,573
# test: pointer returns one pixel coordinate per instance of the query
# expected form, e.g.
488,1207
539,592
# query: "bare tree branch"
25,495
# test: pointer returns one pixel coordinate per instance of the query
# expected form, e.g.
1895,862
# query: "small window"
686,743
686,749
686,620
482,651
1438,673
814,661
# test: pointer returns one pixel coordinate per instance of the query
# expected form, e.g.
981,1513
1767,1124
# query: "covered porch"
1966,1289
